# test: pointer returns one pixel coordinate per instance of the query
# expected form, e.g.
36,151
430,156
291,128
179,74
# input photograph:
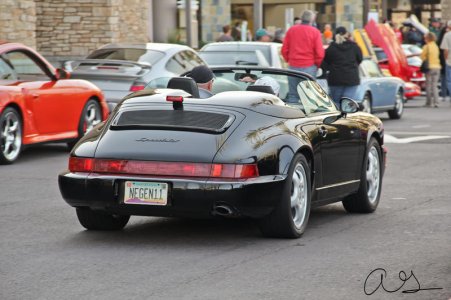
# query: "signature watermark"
378,277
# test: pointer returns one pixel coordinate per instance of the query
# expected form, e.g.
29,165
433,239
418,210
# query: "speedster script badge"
157,140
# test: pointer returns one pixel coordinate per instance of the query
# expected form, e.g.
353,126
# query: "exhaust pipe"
223,210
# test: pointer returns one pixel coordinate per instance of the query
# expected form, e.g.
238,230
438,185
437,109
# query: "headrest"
186,84
261,88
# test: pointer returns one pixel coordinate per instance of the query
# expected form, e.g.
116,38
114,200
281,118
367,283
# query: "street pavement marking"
421,126
389,139
398,198
420,133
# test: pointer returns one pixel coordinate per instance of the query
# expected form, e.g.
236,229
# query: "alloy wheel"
11,135
299,194
373,174
92,117
399,103
366,103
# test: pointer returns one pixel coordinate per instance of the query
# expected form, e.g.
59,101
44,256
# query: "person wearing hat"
342,61
262,36
204,77
434,26
446,47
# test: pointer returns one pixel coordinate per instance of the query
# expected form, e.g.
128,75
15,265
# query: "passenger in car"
269,81
263,81
204,78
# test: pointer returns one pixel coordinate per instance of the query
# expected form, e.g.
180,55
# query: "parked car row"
247,152
41,104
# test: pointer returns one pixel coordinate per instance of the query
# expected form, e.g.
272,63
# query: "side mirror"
61,74
331,119
348,106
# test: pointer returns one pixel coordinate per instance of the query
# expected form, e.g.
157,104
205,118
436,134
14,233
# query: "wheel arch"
377,136
287,154
402,90
96,98
308,154
19,110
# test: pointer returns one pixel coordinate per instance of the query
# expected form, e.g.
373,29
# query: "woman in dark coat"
342,61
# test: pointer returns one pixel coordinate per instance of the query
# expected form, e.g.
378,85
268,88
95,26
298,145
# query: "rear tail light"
179,169
137,86
79,164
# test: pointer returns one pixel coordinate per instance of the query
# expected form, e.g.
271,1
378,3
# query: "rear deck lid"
168,135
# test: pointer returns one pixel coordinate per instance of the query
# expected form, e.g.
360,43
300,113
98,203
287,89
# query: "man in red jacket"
303,50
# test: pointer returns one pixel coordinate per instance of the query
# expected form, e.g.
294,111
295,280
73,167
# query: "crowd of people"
303,49
436,62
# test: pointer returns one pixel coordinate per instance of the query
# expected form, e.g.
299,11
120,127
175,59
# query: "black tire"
99,220
87,120
367,103
10,135
397,111
286,221
367,197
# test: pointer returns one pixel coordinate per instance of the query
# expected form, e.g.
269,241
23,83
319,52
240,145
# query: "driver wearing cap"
204,77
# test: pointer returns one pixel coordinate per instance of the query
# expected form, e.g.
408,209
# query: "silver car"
119,69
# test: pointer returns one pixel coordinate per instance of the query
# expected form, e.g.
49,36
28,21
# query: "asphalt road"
46,254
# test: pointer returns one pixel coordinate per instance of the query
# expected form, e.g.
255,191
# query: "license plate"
146,193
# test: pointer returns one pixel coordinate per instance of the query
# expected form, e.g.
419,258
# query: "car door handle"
35,96
322,131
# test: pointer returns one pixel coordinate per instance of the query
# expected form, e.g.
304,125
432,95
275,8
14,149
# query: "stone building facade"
18,21
68,28
214,15
348,13
446,9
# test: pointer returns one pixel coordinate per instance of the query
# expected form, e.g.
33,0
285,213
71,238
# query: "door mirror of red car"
61,74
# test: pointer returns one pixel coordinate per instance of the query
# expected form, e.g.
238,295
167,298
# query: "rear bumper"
412,90
254,198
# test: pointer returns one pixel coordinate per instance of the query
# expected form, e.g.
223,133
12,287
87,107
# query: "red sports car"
39,103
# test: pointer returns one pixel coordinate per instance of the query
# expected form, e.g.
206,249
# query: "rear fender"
300,144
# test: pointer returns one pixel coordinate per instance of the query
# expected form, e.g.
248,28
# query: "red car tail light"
80,164
137,86
234,171
246,171
179,169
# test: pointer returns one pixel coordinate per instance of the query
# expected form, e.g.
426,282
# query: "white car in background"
119,69
234,58
271,51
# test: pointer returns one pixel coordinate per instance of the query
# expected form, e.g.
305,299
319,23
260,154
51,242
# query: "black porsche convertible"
243,152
